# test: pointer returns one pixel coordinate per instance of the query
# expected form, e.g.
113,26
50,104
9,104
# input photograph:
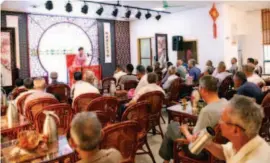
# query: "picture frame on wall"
8,58
161,48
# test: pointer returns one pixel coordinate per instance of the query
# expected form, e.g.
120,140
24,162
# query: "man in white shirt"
142,77
222,73
152,79
171,78
240,124
252,77
81,86
118,73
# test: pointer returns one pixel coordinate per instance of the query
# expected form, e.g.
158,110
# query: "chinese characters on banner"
107,43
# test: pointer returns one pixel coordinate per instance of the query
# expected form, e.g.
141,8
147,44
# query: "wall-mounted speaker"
178,43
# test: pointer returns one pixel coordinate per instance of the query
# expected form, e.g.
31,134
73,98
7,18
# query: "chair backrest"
60,90
17,92
82,101
105,104
63,111
139,112
266,105
174,90
155,99
106,82
20,102
130,84
103,118
184,118
123,137
225,86
34,106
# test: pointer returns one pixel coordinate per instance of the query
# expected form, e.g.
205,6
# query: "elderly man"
208,116
118,73
165,72
129,76
181,70
82,86
86,135
54,77
240,124
252,77
89,76
171,78
246,88
194,71
39,86
222,73
28,84
142,77
234,66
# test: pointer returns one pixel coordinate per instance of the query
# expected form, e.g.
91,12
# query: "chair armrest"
181,141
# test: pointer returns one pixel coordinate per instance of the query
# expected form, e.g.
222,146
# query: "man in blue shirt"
194,71
246,88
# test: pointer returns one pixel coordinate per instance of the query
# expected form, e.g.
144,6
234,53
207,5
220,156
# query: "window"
266,39
145,52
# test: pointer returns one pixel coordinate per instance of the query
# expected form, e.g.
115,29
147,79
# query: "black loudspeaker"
177,43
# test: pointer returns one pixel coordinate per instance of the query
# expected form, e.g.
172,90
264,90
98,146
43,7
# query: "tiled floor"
154,142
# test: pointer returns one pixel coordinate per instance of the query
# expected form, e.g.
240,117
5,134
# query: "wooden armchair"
173,92
264,131
103,117
35,106
183,118
82,101
60,90
123,137
109,105
155,99
130,84
140,112
17,92
63,111
181,156
20,103
225,86
106,82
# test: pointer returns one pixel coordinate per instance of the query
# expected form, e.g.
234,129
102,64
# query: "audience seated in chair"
54,77
258,68
39,86
243,87
181,70
252,77
149,69
194,71
240,123
19,88
234,68
221,73
210,67
81,86
85,138
142,77
129,76
165,73
171,78
118,73
208,116
89,77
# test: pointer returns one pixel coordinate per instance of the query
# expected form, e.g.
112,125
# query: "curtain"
266,26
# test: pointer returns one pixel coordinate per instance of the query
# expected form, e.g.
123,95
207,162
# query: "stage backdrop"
52,37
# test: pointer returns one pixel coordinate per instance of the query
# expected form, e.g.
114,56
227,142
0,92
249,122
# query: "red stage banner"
71,69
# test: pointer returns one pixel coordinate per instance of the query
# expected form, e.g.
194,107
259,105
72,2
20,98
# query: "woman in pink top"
80,59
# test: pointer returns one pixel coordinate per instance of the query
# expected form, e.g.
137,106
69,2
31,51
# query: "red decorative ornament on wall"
214,15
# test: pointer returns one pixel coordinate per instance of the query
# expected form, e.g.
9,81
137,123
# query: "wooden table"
11,130
58,151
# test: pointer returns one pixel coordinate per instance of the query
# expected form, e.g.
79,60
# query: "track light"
158,16
68,7
128,13
138,15
115,12
85,8
100,11
49,5
148,15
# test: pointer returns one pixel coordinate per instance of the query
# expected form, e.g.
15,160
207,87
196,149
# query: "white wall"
195,24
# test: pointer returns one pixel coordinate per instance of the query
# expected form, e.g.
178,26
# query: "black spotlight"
158,16
138,15
115,12
100,11
128,13
68,7
85,9
148,15
49,5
